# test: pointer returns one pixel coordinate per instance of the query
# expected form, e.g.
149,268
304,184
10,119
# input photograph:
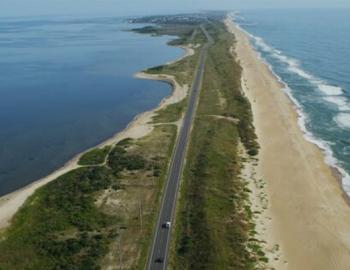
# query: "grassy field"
214,228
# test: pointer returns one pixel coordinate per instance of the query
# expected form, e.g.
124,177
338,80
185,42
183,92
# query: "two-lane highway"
160,245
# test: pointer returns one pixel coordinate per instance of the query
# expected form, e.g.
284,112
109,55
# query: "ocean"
66,84
309,51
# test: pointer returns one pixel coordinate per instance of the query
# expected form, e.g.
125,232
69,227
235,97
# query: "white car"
167,225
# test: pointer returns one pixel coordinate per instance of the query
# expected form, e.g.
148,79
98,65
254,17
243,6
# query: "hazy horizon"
11,8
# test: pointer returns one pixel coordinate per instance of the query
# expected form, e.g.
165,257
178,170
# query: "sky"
10,8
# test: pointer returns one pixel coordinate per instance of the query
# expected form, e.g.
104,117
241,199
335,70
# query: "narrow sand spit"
139,127
310,217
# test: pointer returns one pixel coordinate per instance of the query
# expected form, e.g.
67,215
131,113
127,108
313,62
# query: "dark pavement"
161,240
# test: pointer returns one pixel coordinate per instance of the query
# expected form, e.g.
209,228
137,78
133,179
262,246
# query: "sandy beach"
309,218
139,127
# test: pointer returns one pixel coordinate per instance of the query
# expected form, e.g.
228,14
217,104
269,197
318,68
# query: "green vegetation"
139,195
146,30
59,227
158,147
72,222
182,31
182,70
171,113
214,222
120,160
187,35
95,156
224,74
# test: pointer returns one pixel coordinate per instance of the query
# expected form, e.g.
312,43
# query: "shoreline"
340,173
308,214
139,127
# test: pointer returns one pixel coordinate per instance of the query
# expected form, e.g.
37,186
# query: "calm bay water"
309,50
66,84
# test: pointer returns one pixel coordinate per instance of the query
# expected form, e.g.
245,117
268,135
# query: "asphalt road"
160,245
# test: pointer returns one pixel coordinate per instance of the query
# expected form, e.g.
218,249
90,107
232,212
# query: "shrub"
95,156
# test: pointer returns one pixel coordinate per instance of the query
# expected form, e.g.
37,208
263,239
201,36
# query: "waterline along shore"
308,216
139,127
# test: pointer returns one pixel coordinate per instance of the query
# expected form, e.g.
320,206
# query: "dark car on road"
159,260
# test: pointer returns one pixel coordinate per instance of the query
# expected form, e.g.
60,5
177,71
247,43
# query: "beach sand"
139,127
310,218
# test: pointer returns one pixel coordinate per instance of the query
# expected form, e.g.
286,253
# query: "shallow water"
66,84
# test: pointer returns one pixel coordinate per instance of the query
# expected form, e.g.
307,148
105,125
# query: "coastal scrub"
214,221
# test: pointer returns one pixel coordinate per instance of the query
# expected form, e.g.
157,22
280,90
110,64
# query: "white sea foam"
261,43
340,101
344,118
259,54
330,93
323,145
293,65
330,90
